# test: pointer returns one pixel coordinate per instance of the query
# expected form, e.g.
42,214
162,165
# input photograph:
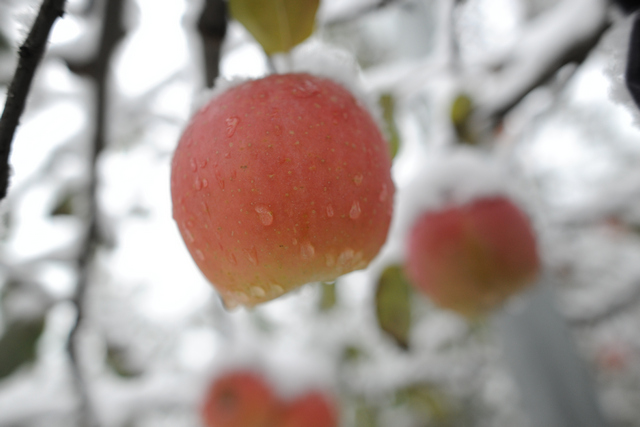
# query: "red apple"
278,182
240,399
470,258
310,410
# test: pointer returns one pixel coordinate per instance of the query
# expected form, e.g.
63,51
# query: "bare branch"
31,53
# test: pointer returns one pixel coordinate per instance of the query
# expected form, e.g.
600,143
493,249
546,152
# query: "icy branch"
565,33
31,53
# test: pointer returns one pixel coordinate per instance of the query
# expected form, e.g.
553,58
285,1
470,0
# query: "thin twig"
96,69
31,53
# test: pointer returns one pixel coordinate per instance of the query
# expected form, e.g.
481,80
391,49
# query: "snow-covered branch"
563,34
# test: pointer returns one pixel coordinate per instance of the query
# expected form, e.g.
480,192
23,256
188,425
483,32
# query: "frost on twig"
31,53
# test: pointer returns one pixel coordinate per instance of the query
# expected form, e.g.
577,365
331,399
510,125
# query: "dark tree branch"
212,26
632,73
97,69
628,6
31,53
576,55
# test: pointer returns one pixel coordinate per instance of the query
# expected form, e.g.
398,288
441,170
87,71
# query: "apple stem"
556,388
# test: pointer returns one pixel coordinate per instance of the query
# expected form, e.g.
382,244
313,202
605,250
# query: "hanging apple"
278,182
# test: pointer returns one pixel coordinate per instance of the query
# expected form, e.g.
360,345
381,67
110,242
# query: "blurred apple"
313,409
240,399
470,258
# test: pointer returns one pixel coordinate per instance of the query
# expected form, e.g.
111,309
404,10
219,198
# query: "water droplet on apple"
229,301
358,261
266,217
242,297
232,124
275,290
187,233
203,163
194,165
384,193
358,179
232,258
198,183
307,250
257,291
200,255
219,179
305,89
330,260
252,255
355,211
330,211
205,183
346,257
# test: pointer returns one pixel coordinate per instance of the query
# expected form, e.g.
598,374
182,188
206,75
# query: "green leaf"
352,353
387,103
64,206
426,402
461,110
366,415
18,344
119,362
328,298
393,304
278,25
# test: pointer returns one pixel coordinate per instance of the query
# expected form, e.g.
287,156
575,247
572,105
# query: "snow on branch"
31,53
563,34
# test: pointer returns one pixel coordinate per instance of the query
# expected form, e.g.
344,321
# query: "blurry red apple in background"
470,258
240,399
278,182
310,410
